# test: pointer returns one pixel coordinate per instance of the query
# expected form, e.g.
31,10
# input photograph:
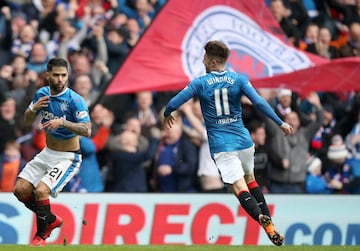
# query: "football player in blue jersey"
65,117
231,147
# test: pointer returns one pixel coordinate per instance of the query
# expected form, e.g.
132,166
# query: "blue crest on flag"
254,52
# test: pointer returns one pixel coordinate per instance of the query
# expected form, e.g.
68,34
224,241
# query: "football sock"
42,216
30,203
249,203
255,191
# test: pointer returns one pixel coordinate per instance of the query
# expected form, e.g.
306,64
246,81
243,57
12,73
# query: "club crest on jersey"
63,106
253,51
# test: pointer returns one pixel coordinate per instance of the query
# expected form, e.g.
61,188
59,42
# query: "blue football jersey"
220,98
67,104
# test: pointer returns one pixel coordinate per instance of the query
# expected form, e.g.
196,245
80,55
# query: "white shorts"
234,165
54,168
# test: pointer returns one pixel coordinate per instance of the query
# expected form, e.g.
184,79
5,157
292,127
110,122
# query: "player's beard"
56,87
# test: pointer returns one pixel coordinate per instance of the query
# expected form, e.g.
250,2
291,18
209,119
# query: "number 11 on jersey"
221,108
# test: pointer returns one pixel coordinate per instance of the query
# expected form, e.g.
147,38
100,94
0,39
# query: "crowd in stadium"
129,150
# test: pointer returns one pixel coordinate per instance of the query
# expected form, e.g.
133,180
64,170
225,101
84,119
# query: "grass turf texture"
178,248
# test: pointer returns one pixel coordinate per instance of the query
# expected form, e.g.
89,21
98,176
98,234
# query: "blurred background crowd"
129,150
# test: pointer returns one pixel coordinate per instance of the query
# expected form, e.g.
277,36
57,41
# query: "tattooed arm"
83,129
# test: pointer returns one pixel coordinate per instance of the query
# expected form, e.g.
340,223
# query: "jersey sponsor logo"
253,51
49,115
81,114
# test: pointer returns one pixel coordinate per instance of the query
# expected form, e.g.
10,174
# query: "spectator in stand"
347,11
311,9
140,10
8,126
340,12
98,73
21,80
71,37
322,46
18,63
23,94
5,81
337,167
10,165
134,32
38,58
91,173
43,14
282,15
127,163
315,181
298,14
262,163
157,4
18,20
322,138
90,177
94,46
189,127
145,112
352,47
208,174
118,49
132,124
324,18
283,106
6,37
177,162
289,175
83,85
23,43
286,102
60,36
353,144
310,37
118,20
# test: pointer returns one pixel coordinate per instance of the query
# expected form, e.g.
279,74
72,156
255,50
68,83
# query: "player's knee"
17,192
21,190
42,192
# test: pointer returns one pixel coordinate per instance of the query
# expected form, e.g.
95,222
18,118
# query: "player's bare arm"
83,129
79,128
30,113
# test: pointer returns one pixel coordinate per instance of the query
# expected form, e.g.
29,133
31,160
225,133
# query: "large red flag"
170,53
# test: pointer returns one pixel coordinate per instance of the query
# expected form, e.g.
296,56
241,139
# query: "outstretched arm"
175,103
261,104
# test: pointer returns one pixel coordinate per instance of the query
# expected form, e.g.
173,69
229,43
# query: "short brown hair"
217,50
57,62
